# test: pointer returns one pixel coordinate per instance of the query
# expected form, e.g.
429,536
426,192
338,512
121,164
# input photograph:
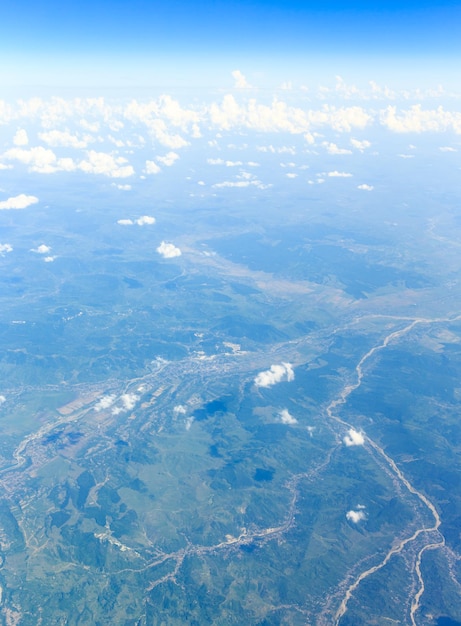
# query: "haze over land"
230,314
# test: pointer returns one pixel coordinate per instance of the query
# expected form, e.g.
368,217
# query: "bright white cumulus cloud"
287,418
21,138
152,167
104,403
5,247
276,374
168,159
240,80
140,221
106,164
365,187
41,249
18,202
336,174
354,438
356,516
168,250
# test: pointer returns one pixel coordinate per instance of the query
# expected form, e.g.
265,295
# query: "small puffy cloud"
39,159
104,403
447,149
274,375
5,247
168,250
41,249
106,164
56,138
168,159
360,145
122,187
332,148
291,175
240,80
286,418
354,438
18,202
2,399
365,187
145,219
152,167
140,221
336,174
129,400
356,516
215,161
49,259
21,138
179,409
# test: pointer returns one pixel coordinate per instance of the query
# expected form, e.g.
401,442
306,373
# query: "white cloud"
57,138
365,187
179,409
291,175
286,418
152,167
18,202
5,167
354,438
49,259
274,375
104,403
418,120
106,164
128,401
41,249
360,145
2,399
356,516
122,187
168,250
5,247
406,156
145,219
39,159
336,174
168,159
140,221
332,148
447,149
21,138
240,80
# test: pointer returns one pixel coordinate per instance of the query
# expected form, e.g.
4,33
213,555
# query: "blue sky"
105,42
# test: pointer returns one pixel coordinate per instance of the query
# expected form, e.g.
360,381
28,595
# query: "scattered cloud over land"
18,202
140,221
104,403
354,438
276,374
356,516
41,249
287,418
4,248
168,250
